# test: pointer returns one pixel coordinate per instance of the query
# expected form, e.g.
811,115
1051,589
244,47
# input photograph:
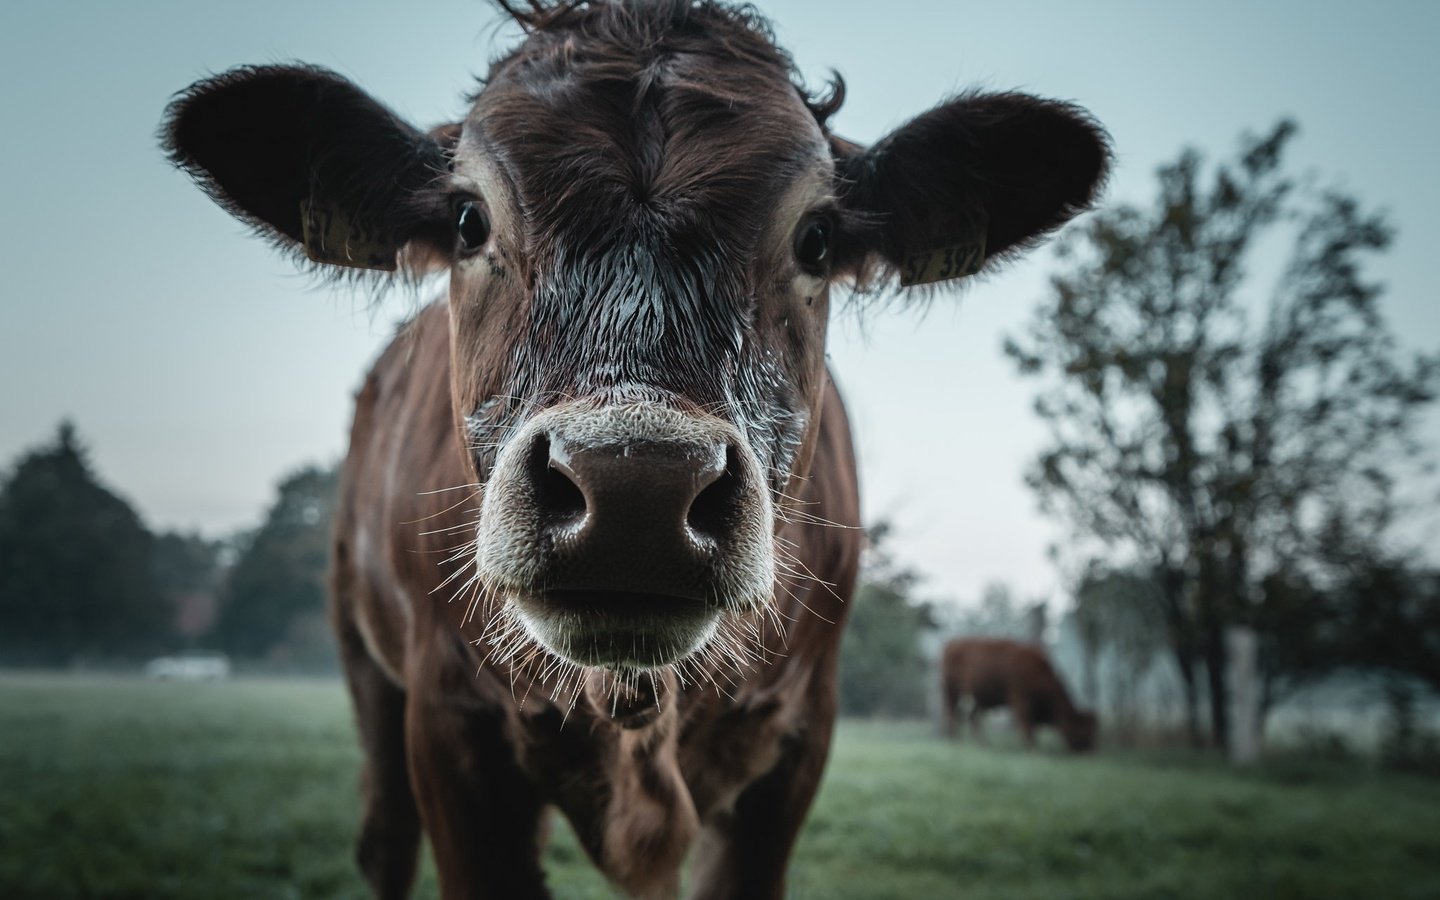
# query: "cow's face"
641,216
638,303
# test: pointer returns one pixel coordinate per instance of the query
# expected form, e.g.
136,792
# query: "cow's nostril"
712,513
558,498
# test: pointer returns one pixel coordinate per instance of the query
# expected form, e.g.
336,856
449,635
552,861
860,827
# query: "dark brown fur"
648,170
733,765
993,672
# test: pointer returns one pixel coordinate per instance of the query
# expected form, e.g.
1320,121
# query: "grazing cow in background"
598,520
993,672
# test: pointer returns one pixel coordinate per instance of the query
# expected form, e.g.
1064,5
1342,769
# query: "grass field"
247,789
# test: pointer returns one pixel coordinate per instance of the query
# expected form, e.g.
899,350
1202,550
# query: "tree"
998,614
188,570
883,668
75,577
1212,451
1385,617
1117,616
1383,611
278,580
1393,623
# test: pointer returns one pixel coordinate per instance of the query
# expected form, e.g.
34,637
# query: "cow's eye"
812,245
472,226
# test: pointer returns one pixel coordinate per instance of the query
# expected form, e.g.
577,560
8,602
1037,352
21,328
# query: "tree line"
1230,447
1234,448
83,580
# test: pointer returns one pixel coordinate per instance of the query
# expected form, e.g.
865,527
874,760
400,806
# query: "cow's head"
642,215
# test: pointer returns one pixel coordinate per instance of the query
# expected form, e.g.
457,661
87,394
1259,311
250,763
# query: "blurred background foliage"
85,584
1230,444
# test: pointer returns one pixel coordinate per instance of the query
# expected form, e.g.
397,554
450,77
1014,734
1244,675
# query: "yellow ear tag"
332,236
943,263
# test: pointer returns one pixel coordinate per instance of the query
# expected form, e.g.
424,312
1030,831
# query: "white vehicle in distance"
200,665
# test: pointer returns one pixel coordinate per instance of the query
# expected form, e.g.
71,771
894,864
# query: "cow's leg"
977,722
949,701
390,828
1024,719
481,812
743,853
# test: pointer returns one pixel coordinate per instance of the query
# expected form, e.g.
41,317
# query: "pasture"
118,788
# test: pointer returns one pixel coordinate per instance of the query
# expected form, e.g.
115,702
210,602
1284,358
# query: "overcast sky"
200,366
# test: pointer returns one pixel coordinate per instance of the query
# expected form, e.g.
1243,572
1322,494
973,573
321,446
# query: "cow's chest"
645,791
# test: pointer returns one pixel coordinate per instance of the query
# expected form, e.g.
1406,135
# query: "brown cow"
598,519
994,672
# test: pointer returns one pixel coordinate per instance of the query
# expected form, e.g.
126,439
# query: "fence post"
1244,677
1037,621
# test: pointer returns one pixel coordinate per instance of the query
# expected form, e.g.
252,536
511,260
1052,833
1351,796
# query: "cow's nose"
643,517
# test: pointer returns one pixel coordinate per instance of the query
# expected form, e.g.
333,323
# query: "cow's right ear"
980,178
316,164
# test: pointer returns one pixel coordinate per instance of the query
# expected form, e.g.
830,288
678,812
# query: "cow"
995,672
599,519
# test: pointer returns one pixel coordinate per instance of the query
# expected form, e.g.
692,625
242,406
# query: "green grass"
247,789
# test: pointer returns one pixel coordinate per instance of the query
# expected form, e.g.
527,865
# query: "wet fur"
637,785
646,167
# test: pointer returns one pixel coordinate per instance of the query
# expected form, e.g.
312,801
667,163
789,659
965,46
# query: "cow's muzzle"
621,535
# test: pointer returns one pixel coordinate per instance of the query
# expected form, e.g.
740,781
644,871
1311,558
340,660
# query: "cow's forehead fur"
648,151
671,120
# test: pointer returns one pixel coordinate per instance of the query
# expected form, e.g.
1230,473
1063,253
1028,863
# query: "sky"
200,366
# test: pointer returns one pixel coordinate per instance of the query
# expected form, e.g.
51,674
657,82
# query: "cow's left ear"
317,165
974,180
